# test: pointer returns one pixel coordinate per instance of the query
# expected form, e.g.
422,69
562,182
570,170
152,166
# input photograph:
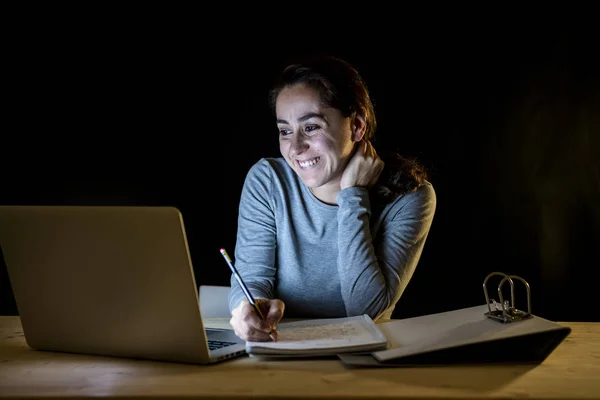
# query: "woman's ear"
359,126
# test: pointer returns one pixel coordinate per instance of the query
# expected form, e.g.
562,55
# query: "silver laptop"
112,281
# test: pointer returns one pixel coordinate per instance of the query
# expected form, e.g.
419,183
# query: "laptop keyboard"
218,344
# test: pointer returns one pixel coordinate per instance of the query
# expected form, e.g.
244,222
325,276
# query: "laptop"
109,280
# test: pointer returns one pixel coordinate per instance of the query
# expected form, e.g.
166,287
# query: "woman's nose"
299,144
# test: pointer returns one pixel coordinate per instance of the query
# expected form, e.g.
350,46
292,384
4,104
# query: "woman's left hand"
364,167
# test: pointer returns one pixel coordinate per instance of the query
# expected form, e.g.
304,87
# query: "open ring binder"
479,334
506,312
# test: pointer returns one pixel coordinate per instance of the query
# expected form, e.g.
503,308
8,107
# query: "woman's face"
315,140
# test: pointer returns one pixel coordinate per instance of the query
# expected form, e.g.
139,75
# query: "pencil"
245,290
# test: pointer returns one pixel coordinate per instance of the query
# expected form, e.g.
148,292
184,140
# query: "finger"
359,149
366,149
373,151
253,320
258,334
375,156
275,313
365,146
248,333
265,307
247,329
370,150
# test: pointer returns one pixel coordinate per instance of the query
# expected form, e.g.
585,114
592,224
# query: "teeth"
305,164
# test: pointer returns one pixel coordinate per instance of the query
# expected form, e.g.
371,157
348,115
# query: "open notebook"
322,337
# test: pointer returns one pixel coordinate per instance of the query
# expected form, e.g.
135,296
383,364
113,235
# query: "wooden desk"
571,372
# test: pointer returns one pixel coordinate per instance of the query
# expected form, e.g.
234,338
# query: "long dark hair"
340,86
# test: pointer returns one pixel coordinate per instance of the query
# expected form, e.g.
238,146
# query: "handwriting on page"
321,335
343,331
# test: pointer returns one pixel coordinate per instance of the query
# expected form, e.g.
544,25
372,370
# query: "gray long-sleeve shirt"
326,260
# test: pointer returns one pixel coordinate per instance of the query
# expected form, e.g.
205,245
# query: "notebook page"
314,335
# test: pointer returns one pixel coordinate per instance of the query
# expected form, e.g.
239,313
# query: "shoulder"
424,193
269,172
420,203
272,180
266,168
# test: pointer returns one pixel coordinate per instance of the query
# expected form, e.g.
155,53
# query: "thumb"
275,312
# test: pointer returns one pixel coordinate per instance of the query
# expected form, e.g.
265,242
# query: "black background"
150,108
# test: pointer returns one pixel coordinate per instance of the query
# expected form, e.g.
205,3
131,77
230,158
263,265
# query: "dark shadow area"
506,120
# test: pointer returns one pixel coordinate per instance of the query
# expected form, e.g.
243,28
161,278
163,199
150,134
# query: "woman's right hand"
248,325
364,167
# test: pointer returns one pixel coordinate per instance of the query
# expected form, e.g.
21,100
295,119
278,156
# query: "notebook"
322,337
109,280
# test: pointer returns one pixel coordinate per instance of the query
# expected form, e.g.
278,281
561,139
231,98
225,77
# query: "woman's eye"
284,132
311,128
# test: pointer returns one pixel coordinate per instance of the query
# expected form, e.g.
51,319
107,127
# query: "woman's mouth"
308,163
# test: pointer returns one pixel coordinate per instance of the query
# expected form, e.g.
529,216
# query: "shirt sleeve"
256,237
374,277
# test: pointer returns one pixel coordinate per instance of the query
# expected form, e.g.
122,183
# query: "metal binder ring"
512,293
487,299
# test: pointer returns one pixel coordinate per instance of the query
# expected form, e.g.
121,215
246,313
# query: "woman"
330,229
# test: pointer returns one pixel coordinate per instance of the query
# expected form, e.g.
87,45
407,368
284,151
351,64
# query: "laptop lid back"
109,280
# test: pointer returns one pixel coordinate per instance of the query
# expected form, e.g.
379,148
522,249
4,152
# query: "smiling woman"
317,141
330,229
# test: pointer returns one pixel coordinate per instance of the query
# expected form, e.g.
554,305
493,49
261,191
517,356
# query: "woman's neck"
327,193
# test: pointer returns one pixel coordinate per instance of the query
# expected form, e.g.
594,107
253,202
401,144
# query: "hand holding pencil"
249,326
254,320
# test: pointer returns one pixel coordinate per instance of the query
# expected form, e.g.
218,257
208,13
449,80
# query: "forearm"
363,285
374,274
255,241
255,260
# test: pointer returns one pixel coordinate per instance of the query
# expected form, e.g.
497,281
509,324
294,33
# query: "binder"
496,332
